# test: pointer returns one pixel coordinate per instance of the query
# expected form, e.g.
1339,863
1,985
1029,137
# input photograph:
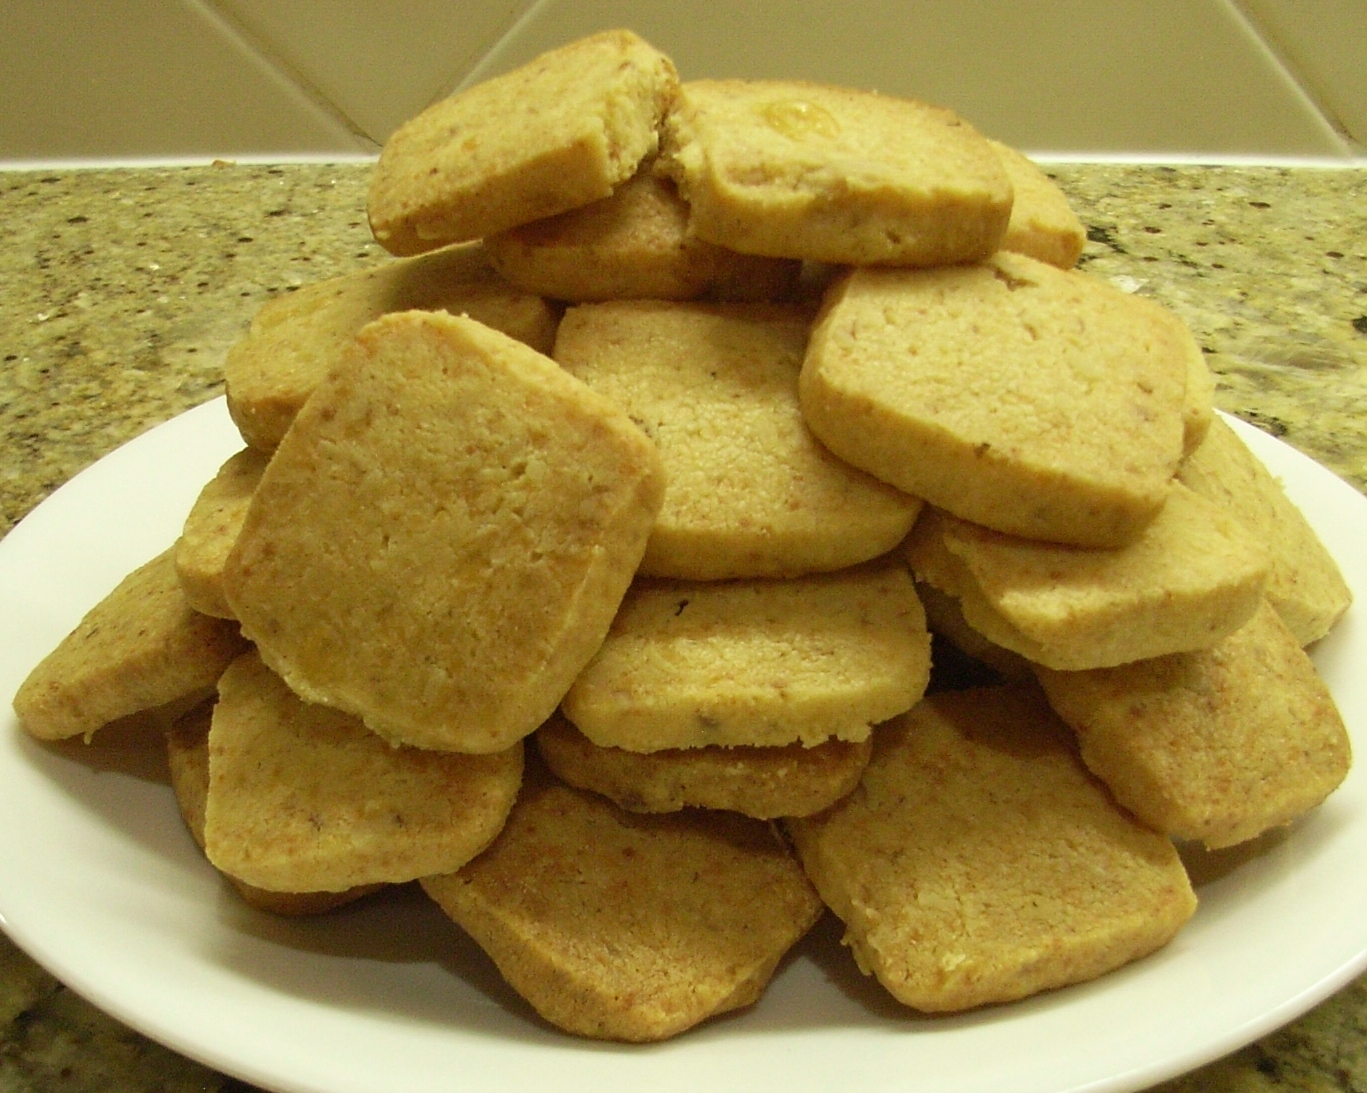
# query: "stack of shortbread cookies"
681,418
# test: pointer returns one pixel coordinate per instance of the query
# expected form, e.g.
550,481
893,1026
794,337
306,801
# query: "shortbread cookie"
751,492
1038,401
945,619
979,862
187,754
763,663
558,132
619,926
1192,578
765,783
1218,745
442,538
1043,224
634,244
296,339
1198,402
1198,408
140,648
211,530
304,798
804,170
1305,586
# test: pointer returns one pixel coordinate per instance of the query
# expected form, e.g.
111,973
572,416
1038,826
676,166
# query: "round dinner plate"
100,882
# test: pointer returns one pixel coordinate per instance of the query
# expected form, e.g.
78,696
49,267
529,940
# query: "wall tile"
1062,76
146,78
158,78
1325,42
377,61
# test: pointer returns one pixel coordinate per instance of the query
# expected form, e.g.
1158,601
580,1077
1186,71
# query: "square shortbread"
442,538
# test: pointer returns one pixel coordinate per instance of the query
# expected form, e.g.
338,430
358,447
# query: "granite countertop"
122,290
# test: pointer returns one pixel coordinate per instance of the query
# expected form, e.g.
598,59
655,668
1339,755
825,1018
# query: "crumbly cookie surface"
187,756
1305,585
760,663
1038,401
751,492
791,780
474,515
1043,224
619,926
303,798
979,862
634,244
803,170
1218,745
211,529
556,133
1192,578
295,340
140,648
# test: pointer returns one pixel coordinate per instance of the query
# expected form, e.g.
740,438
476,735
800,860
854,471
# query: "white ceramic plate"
101,884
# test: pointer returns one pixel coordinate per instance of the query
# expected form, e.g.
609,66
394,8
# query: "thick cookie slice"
1305,586
211,529
633,245
1037,401
1218,745
296,339
751,492
979,862
620,926
304,798
945,620
141,648
440,542
1192,578
1043,224
187,755
803,170
762,663
557,133
765,783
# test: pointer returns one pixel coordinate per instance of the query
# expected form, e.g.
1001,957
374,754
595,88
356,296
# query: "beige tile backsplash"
283,79
1325,43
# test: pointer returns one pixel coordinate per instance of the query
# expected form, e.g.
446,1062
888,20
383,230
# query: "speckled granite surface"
120,291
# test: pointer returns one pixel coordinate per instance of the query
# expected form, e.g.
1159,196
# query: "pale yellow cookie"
634,244
765,783
304,798
187,754
1218,745
945,619
211,530
979,862
751,492
1038,401
295,339
1305,586
619,926
1043,224
556,133
1192,578
1198,403
763,663
442,538
803,170
140,648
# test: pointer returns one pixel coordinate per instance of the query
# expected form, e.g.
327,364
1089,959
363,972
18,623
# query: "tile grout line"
476,71
266,54
1278,56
